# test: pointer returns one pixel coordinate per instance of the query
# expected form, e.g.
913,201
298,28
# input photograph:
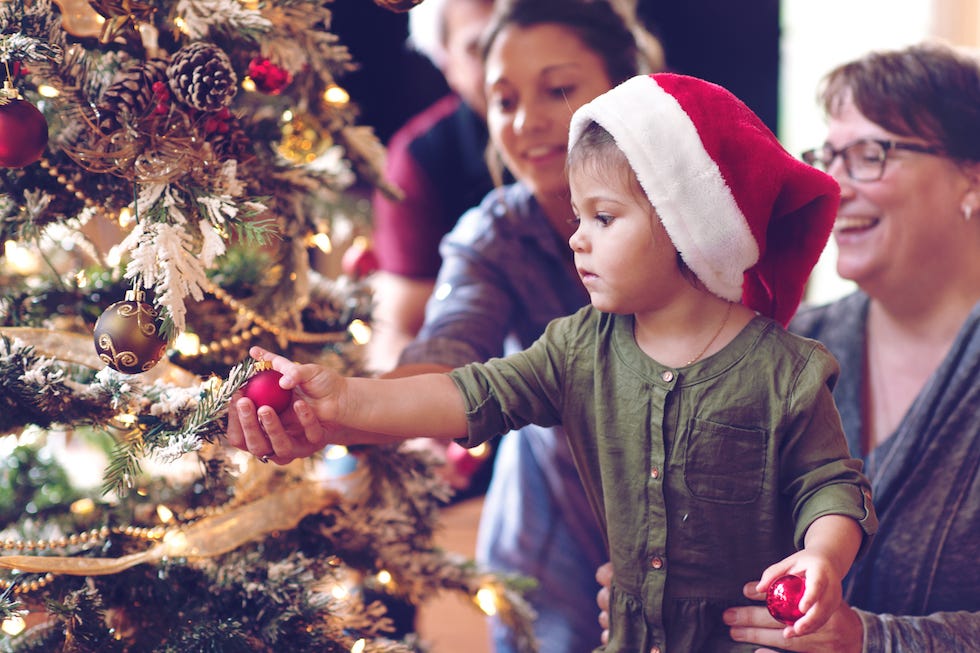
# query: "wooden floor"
450,623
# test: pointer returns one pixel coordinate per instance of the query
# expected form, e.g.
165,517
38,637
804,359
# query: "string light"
125,217
336,95
358,646
259,325
486,599
360,332
323,242
19,259
82,506
188,343
13,626
165,514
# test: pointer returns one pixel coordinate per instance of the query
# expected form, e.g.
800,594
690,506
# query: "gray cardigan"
918,587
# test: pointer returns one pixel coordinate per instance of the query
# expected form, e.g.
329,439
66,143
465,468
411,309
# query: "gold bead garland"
69,186
259,325
97,536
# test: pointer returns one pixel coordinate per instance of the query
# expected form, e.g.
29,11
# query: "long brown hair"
607,27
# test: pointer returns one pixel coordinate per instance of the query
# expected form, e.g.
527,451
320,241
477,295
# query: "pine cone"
201,76
232,144
131,94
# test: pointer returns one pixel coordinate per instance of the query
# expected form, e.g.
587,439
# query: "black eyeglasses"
864,159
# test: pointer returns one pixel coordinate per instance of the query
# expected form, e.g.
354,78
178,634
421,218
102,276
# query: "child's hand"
822,595
301,429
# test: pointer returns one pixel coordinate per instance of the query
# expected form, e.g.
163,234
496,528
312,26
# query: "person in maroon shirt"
437,160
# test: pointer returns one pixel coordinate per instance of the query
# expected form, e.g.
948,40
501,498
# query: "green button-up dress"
703,475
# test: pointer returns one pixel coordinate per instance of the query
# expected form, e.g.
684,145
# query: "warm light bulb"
20,259
479,451
384,577
335,452
358,646
322,241
486,598
126,419
165,514
188,344
46,90
14,626
360,331
125,217
336,95
248,84
82,506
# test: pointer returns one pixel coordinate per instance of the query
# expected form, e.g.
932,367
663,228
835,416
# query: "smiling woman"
506,273
908,342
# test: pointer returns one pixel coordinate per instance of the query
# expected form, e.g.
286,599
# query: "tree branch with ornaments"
181,180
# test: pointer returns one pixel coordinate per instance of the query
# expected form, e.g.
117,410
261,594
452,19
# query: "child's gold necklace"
728,313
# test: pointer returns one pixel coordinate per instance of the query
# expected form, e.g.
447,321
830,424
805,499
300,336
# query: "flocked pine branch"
201,18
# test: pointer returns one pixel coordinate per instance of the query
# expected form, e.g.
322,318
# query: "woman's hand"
842,633
603,576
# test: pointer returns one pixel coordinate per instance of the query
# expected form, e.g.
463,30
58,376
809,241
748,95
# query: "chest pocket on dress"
724,463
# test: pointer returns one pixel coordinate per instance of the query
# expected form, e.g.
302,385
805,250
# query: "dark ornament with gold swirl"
127,335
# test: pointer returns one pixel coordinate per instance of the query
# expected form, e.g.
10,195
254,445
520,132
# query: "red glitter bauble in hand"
23,133
783,598
263,389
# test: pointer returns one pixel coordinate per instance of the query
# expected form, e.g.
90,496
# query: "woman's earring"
967,212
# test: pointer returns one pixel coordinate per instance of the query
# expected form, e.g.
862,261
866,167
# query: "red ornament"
359,260
465,461
783,598
23,133
268,77
264,390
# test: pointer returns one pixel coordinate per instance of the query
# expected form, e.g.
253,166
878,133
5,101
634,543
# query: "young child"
705,433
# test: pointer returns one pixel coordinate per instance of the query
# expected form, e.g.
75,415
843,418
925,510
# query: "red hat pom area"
23,130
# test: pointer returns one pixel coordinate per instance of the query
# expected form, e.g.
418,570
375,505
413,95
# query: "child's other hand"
822,594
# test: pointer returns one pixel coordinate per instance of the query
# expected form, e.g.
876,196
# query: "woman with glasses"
904,144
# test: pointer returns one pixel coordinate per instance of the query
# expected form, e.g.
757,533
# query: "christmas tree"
182,179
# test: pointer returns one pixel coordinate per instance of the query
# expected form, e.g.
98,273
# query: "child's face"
623,254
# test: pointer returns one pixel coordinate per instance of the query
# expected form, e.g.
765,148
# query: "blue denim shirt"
505,275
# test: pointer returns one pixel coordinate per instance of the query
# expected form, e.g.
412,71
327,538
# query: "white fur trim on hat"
681,180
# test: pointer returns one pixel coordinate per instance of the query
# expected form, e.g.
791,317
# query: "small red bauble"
268,77
23,133
783,598
359,260
465,461
263,389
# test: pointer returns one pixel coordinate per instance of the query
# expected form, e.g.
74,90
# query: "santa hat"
748,219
